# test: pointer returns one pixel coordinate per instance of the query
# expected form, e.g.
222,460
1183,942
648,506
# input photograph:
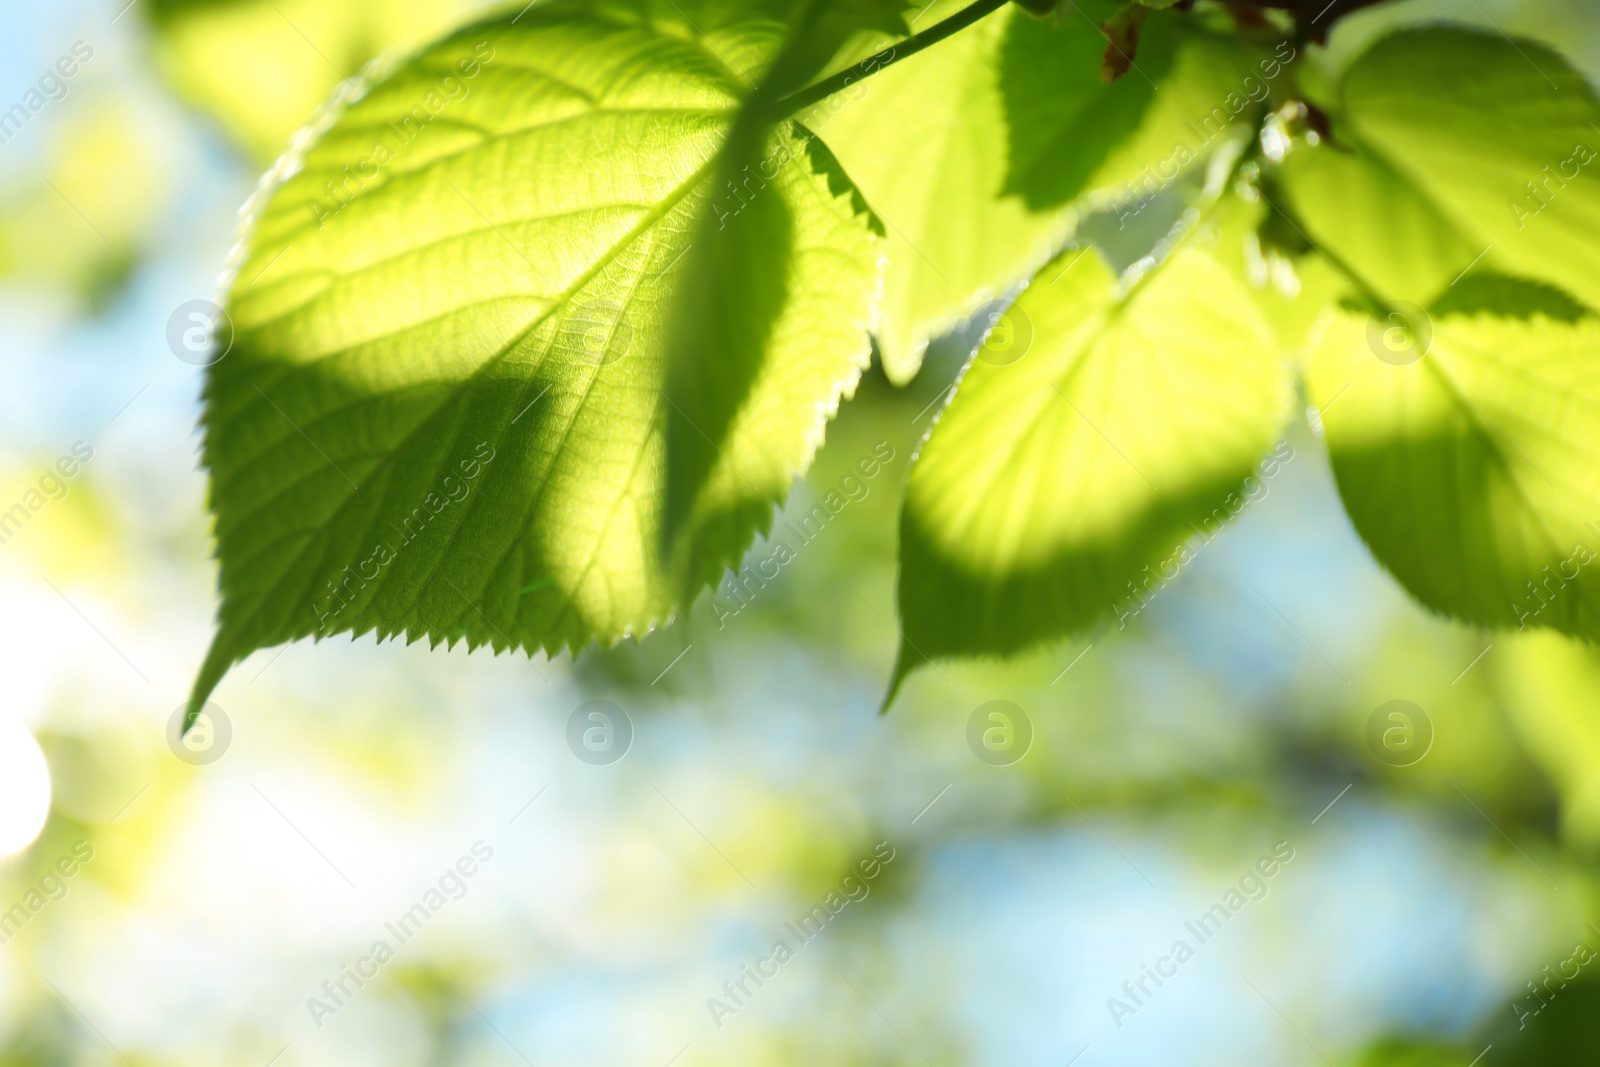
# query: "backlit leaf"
1499,137
442,413
1465,444
1062,481
973,150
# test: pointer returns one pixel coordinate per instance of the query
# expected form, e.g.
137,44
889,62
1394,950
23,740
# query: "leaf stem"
798,101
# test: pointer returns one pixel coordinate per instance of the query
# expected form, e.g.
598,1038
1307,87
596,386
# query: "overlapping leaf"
971,150
262,67
1451,144
1072,137
1472,470
1059,487
442,412
1501,136
1355,207
1464,437
924,139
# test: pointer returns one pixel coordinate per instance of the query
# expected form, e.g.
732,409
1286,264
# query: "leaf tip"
219,659
905,662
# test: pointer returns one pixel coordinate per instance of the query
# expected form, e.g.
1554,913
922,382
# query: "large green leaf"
1495,137
1464,441
923,139
770,330
971,150
443,413
1471,471
1072,137
1059,488
1354,206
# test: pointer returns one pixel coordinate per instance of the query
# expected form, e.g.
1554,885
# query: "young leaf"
1073,138
1464,446
1060,487
756,369
442,411
1497,136
922,139
247,65
1350,203
971,150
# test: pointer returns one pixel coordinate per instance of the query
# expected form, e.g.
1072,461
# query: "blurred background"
221,902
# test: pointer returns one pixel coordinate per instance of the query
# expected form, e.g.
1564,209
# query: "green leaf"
1061,487
770,331
972,150
1074,138
1497,136
261,68
921,139
1470,472
1351,204
442,413
1554,686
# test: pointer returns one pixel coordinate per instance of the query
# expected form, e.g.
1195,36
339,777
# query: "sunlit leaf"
1499,137
1465,441
924,139
1060,485
262,67
442,412
770,331
972,150
1554,686
1363,214
1073,137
